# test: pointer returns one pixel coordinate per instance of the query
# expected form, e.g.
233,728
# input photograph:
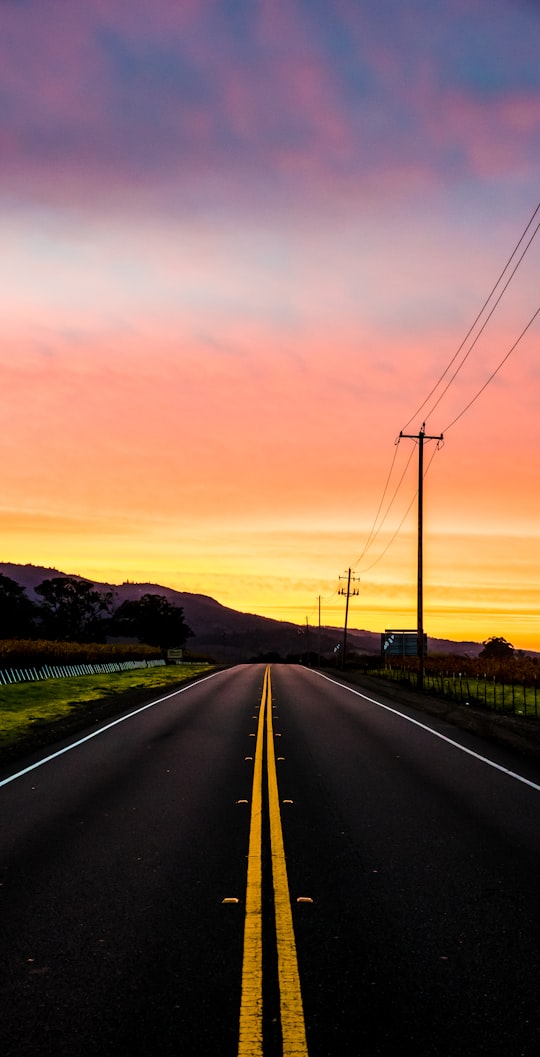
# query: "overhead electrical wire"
445,431
482,328
494,373
391,540
373,534
478,317
375,530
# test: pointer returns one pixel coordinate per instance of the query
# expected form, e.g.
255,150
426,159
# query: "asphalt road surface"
270,862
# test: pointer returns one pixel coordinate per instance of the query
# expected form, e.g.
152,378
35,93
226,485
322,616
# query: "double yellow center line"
290,998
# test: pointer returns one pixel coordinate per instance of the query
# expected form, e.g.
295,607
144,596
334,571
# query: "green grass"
488,693
517,698
26,708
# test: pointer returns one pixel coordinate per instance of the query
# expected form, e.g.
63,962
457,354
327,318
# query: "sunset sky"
241,244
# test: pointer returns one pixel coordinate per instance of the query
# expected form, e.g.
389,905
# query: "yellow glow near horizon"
214,328
281,574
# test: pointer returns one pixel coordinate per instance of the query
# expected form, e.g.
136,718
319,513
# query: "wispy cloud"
241,241
96,98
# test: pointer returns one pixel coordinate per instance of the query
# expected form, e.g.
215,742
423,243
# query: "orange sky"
214,325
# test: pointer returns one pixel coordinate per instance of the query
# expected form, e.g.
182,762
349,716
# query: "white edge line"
435,733
101,730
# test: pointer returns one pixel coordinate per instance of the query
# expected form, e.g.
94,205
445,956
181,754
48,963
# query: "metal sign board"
401,643
175,653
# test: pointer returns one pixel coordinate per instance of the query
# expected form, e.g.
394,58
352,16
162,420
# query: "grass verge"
35,715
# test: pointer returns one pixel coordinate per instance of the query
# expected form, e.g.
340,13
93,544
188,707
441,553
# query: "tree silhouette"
497,648
153,620
72,610
17,612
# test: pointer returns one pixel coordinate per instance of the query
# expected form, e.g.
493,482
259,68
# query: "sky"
243,247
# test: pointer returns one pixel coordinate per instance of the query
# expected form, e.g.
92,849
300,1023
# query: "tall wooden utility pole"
420,437
348,591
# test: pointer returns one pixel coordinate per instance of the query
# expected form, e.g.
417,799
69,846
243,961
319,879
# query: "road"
271,862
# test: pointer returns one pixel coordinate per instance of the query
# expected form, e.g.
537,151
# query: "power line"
482,328
478,317
375,519
389,544
399,527
494,373
373,535
374,531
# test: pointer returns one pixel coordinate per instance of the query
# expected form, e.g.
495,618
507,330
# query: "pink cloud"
490,134
102,99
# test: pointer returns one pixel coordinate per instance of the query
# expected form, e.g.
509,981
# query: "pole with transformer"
420,437
347,591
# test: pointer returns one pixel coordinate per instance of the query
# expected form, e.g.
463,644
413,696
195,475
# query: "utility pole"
319,644
347,591
420,437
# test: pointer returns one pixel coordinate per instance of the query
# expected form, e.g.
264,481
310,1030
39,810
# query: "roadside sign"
175,653
401,642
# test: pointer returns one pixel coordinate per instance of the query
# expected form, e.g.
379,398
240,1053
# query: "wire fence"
66,671
514,697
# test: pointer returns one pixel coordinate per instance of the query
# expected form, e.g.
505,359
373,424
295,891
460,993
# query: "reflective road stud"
251,1007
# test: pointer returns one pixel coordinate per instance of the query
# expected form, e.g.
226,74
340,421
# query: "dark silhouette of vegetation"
152,619
17,612
509,684
497,649
270,657
73,623
72,610
25,653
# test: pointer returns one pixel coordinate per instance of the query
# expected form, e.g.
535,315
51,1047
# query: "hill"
229,635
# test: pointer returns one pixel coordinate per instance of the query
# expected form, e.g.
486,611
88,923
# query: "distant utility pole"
347,591
420,437
319,643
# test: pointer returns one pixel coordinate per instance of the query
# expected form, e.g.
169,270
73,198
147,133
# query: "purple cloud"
262,100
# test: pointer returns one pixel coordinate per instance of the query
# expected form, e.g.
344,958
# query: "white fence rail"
65,671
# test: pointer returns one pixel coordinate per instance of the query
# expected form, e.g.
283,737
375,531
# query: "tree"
497,648
17,612
153,620
72,610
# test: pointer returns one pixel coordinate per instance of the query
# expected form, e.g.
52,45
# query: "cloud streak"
96,99
241,242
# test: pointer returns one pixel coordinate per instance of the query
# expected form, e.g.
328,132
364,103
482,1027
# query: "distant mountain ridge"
229,635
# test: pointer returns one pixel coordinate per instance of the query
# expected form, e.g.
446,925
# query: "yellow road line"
290,995
251,1035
